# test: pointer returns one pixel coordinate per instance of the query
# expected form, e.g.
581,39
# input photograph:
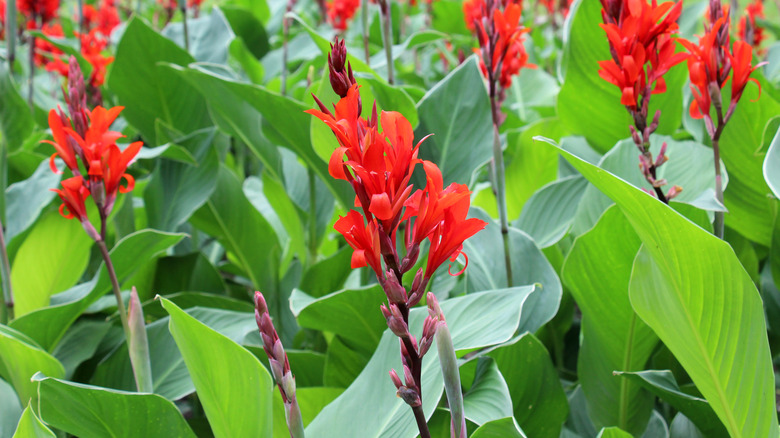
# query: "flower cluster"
379,166
340,12
86,137
712,62
748,29
500,33
102,19
643,50
38,12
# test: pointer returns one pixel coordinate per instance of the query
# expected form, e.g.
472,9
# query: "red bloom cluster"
641,45
379,166
747,29
86,137
92,47
712,61
47,54
38,11
2,19
103,19
341,11
500,32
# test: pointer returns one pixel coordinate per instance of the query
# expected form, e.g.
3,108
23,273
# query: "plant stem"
422,425
285,36
120,305
312,217
500,183
183,7
30,86
364,19
387,37
5,268
10,33
294,419
719,216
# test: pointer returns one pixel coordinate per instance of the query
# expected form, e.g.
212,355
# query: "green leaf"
20,358
248,28
457,111
90,411
170,151
662,384
487,270
476,320
16,123
163,95
209,36
540,405
503,428
488,398
550,212
284,122
24,200
176,189
80,343
10,409
48,325
682,427
327,275
613,432
30,426
241,229
690,288
51,259
589,105
750,209
353,314
233,386
311,402
597,272
772,161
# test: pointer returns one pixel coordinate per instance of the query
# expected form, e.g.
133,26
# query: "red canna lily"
63,144
364,239
73,195
43,10
111,169
341,11
741,68
447,240
748,28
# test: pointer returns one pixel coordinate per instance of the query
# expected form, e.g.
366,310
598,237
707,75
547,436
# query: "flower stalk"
10,32
387,37
280,367
183,9
5,269
138,345
449,368
364,19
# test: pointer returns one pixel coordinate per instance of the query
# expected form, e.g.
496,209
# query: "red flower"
703,69
104,19
47,54
110,169
63,144
341,11
473,11
2,19
73,195
43,10
92,46
741,68
748,29
364,239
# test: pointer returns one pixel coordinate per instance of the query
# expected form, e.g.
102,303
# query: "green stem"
387,38
719,215
500,180
30,83
312,217
183,7
364,19
285,50
5,269
292,413
10,33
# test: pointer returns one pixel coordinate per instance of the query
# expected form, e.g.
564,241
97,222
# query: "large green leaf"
457,111
352,314
91,411
589,105
209,36
25,199
80,344
149,91
698,410
20,359
750,209
488,398
47,326
772,165
51,259
30,426
550,212
486,270
177,189
613,432
597,272
10,409
242,106
243,231
503,428
233,386
539,403
16,123
690,288
476,320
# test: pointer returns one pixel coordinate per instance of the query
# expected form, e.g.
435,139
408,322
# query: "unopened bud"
661,158
411,257
673,192
635,136
714,91
409,378
433,307
260,305
409,396
395,321
396,293
396,380
276,369
288,384
659,183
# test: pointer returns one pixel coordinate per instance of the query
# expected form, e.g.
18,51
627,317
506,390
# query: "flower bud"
433,307
673,192
396,293
288,385
409,396
396,380
395,321
661,158
409,378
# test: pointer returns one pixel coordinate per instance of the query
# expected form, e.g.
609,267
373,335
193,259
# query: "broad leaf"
771,166
488,398
457,111
549,213
163,95
20,359
16,123
10,409
30,426
25,199
690,288
597,272
233,386
91,411
503,428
